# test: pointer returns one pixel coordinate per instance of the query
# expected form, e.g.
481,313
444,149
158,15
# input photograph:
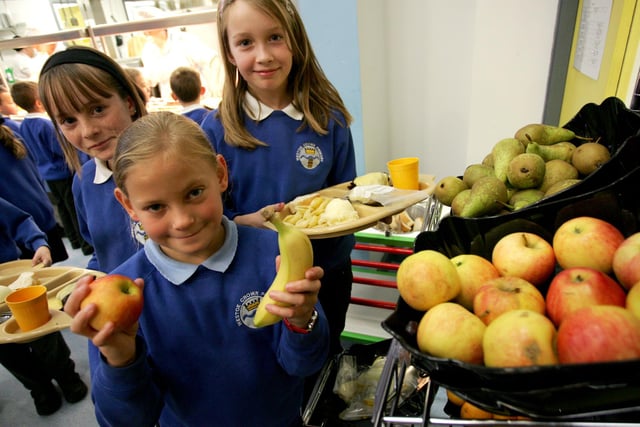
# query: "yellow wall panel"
581,89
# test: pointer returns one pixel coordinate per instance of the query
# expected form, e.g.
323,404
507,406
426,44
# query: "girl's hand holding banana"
298,298
294,291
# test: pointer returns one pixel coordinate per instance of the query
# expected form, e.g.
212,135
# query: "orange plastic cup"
29,306
404,173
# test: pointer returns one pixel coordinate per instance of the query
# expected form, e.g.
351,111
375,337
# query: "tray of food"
600,390
334,211
59,281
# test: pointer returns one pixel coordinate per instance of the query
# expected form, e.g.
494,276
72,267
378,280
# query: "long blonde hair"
313,93
162,132
71,77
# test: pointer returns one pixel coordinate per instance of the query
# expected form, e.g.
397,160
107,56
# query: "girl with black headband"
90,100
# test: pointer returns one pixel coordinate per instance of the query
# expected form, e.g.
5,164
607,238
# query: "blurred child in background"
23,187
39,134
187,89
9,108
36,363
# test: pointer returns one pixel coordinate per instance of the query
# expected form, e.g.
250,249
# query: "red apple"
451,331
473,271
519,338
633,300
579,287
427,278
525,255
118,299
626,261
599,333
502,294
586,242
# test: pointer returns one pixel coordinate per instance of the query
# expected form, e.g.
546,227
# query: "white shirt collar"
191,107
103,173
36,115
178,272
259,111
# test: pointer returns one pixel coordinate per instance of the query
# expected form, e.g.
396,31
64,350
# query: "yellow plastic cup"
29,307
404,173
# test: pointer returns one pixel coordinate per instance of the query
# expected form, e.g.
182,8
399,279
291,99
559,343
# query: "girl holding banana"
195,357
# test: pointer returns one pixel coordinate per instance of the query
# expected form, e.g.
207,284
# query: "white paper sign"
592,36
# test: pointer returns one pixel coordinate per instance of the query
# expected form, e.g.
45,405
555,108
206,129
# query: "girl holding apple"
194,357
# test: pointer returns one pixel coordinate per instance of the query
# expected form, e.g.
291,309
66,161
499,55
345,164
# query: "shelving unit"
375,261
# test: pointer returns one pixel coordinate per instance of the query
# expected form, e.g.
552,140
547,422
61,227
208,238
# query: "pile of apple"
573,300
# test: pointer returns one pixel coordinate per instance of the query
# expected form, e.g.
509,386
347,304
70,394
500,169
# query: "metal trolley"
388,394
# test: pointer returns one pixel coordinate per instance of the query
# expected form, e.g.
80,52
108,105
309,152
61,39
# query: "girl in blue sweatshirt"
194,358
23,187
90,100
283,129
39,135
36,363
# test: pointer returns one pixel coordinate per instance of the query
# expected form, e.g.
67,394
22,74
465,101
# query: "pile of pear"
538,161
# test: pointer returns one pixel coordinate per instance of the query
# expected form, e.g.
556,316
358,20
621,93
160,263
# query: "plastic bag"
361,390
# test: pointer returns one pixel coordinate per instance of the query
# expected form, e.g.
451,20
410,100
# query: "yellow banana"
296,257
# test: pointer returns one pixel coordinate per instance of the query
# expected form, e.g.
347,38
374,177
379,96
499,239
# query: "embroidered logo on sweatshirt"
309,155
246,310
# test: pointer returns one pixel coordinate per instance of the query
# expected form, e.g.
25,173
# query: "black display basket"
595,391
560,391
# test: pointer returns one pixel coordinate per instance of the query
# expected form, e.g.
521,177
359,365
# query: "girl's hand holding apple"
116,340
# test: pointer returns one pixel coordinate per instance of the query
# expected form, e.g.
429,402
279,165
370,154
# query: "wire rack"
387,403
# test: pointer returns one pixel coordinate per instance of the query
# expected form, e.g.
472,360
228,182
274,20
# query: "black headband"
88,56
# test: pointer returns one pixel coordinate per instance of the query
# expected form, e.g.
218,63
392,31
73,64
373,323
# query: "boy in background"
41,140
187,89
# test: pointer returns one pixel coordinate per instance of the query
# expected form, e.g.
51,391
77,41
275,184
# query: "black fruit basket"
611,124
576,391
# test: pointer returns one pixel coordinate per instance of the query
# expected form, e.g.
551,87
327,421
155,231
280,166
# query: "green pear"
458,202
557,170
526,170
488,196
543,134
560,150
525,197
474,172
560,186
488,160
448,188
503,152
590,156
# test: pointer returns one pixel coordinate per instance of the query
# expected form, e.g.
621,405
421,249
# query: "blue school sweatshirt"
39,135
200,361
103,222
17,226
23,187
294,163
